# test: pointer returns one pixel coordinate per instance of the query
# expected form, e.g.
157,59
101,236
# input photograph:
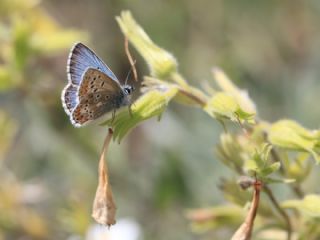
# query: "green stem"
285,216
193,97
176,77
296,188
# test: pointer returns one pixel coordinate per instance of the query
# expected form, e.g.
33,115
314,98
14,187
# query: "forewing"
94,81
81,58
94,105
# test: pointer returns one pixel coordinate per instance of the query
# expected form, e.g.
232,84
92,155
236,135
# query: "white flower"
124,229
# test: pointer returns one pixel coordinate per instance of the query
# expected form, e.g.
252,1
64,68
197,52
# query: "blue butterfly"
92,90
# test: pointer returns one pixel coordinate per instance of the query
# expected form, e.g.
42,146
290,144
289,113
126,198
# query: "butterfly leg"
113,115
130,110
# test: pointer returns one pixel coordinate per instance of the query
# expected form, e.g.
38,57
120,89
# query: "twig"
132,62
285,216
245,230
192,96
104,207
243,128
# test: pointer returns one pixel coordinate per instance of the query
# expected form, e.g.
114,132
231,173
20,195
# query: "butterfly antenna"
130,71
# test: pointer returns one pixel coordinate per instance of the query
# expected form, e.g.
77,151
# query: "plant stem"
276,158
295,187
132,62
193,97
298,191
245,230
285,216
175,76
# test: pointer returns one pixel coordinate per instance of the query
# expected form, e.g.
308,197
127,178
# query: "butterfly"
92,90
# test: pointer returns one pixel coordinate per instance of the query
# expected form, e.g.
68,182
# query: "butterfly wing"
91,108
69,97
96,81
98,94
80,59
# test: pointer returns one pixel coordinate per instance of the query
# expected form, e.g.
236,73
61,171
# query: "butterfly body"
92,90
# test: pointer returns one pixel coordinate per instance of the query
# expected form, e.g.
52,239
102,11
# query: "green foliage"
308,206
230,147
290,135
241,96
151,104
27,31
161,63
259,150
258,164
299,167
215,218
231,104
223,106
33,132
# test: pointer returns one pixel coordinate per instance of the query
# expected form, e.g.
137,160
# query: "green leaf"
231,152
256,163
309,206
161,63
151,104
206,219
224,106
269,180
259,164
21,42
299,168
233,193
241,96
270,169
290,135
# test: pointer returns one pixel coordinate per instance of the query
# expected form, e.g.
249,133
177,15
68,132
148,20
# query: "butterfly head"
128,89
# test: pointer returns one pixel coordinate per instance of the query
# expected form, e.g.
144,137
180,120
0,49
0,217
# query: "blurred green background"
48,171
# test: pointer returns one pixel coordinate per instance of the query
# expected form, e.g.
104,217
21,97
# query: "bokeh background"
48,169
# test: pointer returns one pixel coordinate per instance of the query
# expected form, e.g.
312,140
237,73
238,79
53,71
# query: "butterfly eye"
127,90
